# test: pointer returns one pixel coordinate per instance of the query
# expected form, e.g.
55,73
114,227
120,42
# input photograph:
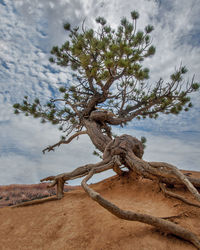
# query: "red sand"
76,222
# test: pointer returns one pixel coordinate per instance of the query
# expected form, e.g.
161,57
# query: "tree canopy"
108,74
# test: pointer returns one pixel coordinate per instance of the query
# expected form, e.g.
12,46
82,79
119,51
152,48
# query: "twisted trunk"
99,140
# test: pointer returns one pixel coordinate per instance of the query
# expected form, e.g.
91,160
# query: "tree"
109,88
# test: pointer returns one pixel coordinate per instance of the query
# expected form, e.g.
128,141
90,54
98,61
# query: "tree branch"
51,148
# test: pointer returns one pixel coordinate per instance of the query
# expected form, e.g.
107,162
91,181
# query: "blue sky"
29,29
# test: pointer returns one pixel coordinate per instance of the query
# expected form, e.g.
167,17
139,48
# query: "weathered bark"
99,140
60,187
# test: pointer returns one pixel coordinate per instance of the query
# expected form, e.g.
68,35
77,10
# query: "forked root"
158,171
161,224
177,196
82,171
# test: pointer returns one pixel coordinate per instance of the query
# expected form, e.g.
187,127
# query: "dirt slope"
77,222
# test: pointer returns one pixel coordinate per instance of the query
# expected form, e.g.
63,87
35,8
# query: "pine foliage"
108,73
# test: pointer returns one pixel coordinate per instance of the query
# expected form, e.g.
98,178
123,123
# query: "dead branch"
161,224
51,148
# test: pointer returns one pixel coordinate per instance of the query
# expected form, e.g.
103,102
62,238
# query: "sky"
28,31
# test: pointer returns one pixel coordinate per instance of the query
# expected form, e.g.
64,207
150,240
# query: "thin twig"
51,148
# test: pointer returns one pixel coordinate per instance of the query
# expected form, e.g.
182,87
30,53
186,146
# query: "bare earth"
77,222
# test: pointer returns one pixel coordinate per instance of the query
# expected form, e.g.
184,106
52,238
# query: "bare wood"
175,181
52,184
60,179
161,224
97,137
132,152
117,164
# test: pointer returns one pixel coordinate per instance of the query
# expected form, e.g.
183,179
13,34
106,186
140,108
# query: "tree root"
176,196
126,151
35,202
174,171
59,180
161,224
157,170
174,216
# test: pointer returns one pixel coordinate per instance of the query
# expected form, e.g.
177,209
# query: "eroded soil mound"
77,222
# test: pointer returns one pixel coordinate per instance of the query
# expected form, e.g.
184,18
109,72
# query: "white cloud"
21,151
31,28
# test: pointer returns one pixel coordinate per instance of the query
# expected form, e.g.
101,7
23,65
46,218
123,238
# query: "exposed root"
127,151
173,216
184,214
81,171
35,202
116,165
157,170
168,169
176,196
161,224
60,179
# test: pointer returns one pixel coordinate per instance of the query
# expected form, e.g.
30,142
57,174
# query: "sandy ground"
77,222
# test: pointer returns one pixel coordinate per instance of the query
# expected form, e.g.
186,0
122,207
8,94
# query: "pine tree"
110,87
